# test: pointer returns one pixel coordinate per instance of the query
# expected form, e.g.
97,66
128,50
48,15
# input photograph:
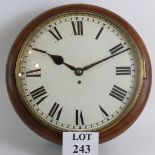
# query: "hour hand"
57,59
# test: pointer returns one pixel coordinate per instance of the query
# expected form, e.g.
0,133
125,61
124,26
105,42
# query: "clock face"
78,71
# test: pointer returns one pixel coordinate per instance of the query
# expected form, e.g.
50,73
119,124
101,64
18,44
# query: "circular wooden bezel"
55,135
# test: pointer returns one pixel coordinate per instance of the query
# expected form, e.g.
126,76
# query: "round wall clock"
78,68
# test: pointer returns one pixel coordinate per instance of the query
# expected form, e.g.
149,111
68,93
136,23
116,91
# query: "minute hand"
98,62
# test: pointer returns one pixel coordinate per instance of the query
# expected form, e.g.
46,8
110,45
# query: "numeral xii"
77,27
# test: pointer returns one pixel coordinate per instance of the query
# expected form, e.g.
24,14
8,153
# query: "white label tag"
80,143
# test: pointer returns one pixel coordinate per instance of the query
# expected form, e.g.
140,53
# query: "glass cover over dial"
78,71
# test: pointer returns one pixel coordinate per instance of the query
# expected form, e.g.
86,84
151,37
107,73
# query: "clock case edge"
55,135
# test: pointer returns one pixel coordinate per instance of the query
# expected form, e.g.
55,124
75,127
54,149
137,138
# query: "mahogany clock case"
55,135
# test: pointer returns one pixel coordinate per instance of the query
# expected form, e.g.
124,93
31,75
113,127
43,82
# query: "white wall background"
18,139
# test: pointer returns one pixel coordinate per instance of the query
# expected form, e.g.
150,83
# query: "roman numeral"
118,93
56,34
39,94
123,70
116,48
79,118
55,111
77,27
99,33
103,111
34,73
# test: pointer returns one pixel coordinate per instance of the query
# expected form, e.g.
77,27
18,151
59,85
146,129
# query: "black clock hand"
98,62
57,59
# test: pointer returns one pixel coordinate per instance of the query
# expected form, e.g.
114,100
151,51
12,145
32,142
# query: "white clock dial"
77,72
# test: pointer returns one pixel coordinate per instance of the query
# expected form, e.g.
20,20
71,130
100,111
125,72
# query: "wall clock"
78,68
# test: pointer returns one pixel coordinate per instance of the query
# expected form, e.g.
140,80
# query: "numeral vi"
79,118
